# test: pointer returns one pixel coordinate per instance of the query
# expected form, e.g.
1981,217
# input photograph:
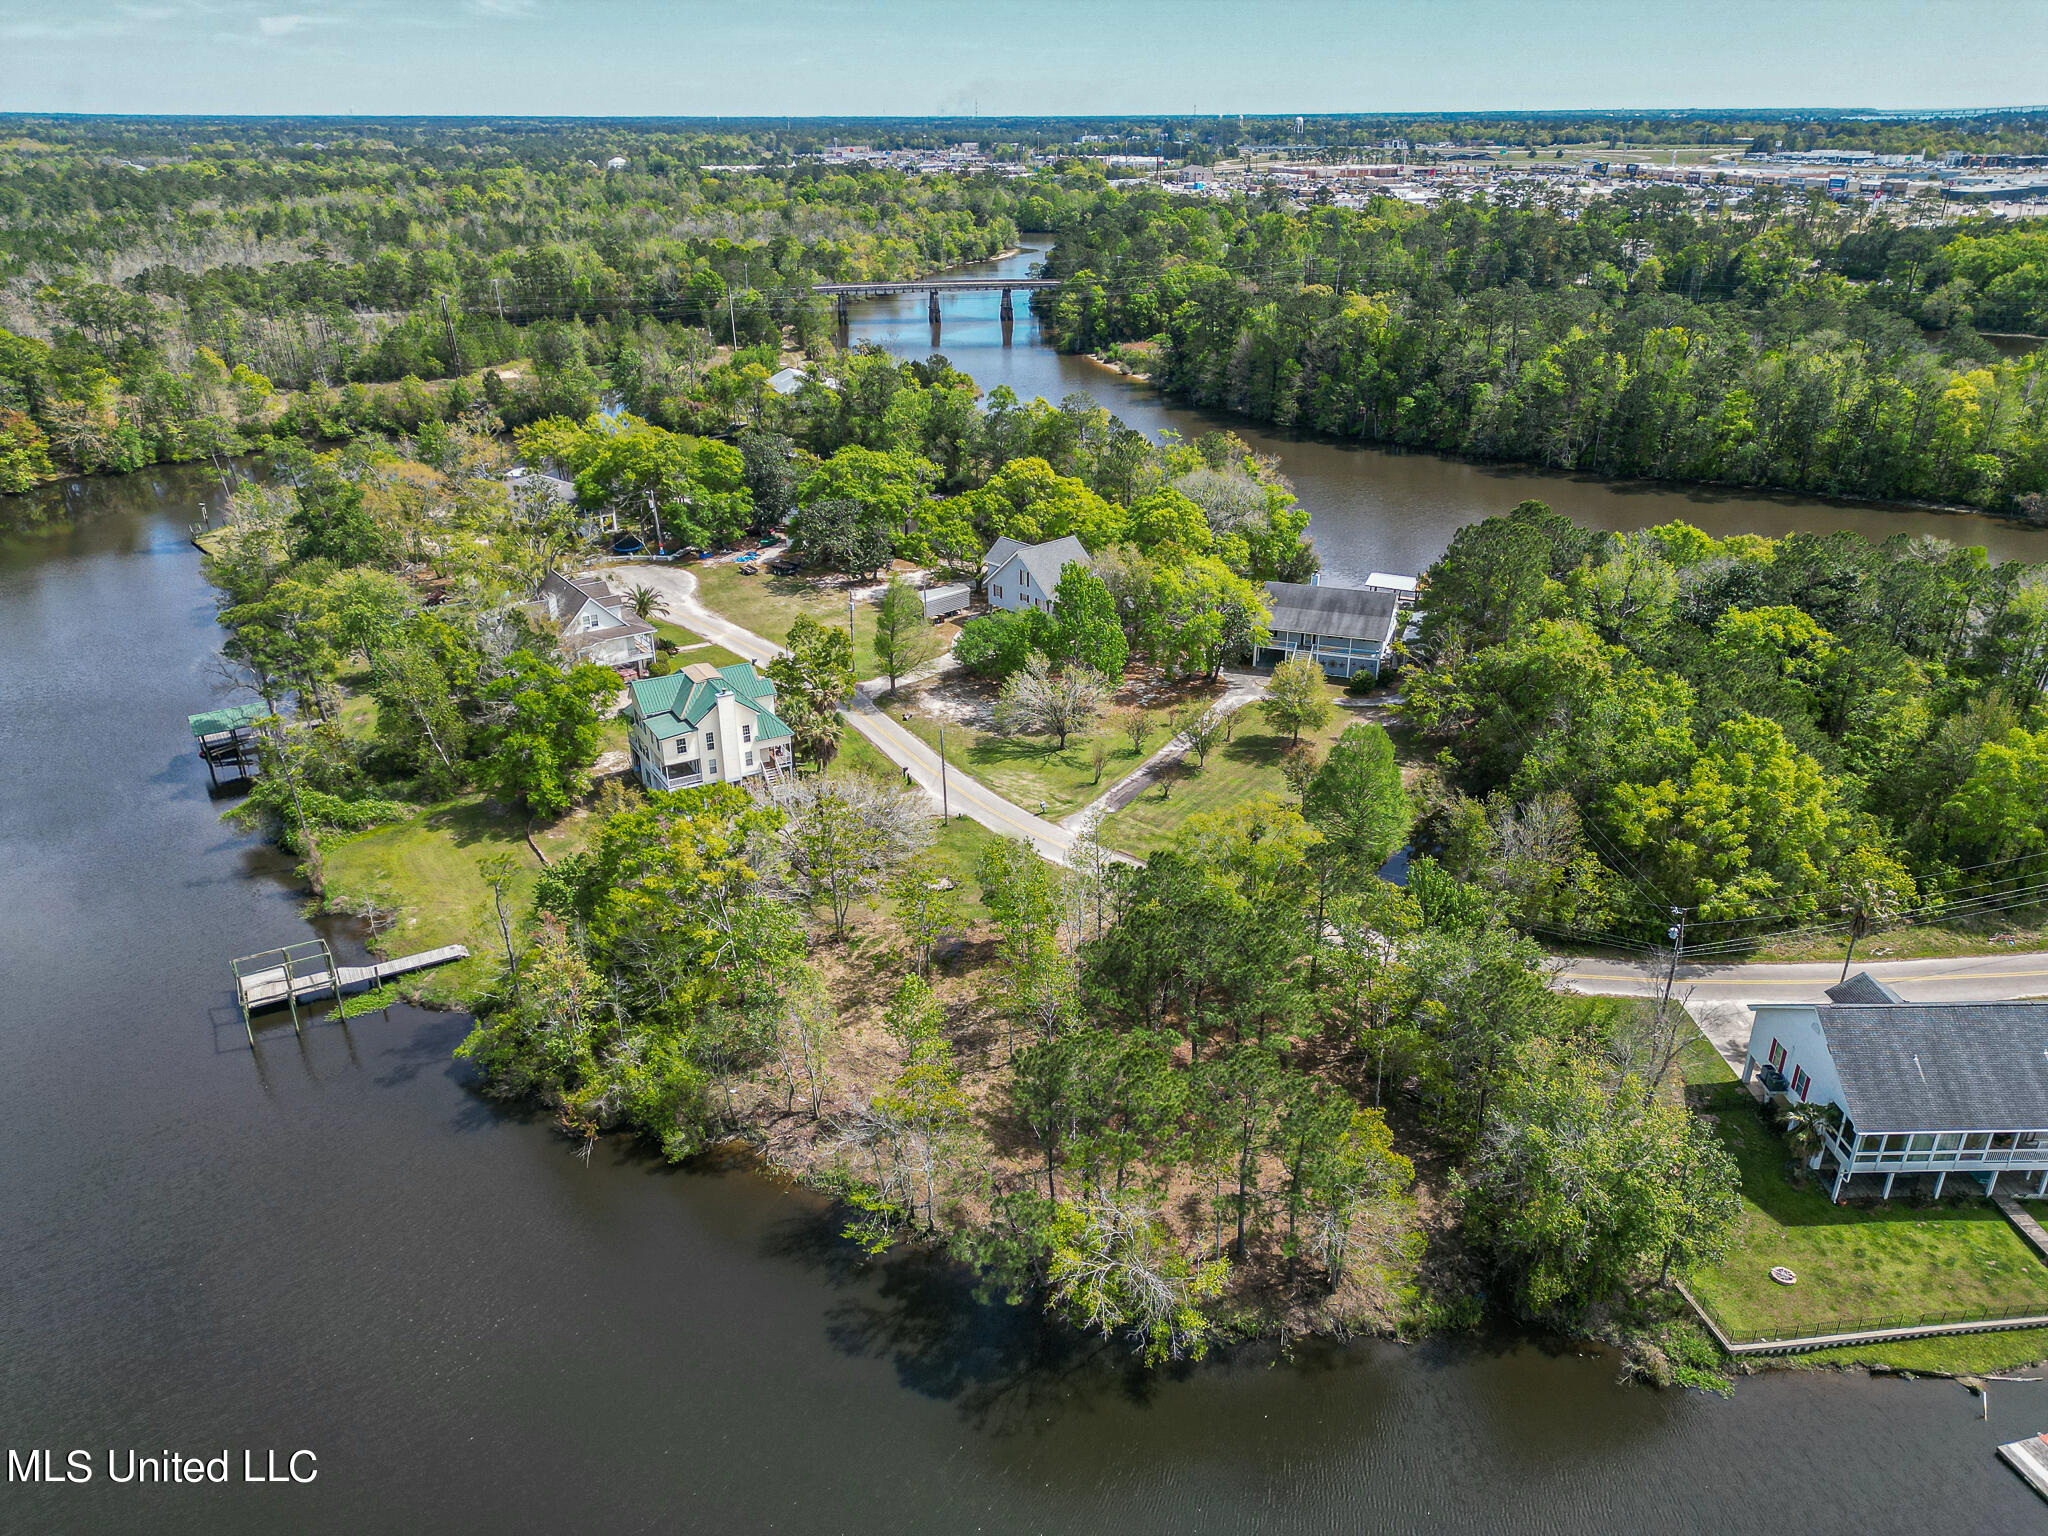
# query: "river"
335,1244
1371,509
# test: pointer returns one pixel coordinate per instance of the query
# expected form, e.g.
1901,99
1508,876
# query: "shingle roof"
1862,988
1941,1066
1355,613
1044,561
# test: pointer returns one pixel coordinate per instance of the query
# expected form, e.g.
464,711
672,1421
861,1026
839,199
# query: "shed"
942,601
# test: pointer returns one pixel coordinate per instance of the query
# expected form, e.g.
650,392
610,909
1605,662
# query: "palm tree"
1803,1126
647,603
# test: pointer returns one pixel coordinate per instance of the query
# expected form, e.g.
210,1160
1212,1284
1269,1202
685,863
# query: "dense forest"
1779,343
169,294
1759,734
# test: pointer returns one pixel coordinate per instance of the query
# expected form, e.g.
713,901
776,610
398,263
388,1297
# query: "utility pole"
498,293
654,506
454,346
945,808
1675,933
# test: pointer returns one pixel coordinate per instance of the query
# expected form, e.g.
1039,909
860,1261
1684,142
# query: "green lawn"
1856,1264
426,868
1030,770
2000,934
693,647
1238,770
1961,1354
768,605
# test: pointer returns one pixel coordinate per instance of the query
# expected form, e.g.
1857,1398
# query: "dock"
305,971
2029,1458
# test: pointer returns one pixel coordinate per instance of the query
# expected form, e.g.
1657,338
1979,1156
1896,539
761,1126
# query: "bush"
996,646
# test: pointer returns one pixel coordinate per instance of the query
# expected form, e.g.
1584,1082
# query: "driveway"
963,794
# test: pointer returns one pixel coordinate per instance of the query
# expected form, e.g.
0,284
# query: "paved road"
965,795
1719,997
1972,978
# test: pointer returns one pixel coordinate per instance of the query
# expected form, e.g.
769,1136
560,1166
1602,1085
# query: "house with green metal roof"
707,725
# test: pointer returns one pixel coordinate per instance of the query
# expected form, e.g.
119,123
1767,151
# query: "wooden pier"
227,740
305,971
2029,1458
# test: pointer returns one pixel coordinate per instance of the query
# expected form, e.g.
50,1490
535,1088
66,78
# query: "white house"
706,725
1020,576
596,624
1912,1088
588,524
1347,630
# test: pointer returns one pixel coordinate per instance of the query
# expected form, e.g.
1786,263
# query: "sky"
614,58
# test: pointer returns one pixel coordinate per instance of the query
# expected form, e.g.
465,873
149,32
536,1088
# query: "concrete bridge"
846,293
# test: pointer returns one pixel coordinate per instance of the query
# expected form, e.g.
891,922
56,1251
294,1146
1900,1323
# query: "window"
1800,1083
750,759
1777,1055
999,591
714,766
710,742
747,734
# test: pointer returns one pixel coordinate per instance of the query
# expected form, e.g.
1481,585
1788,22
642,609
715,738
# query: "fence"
1855,1330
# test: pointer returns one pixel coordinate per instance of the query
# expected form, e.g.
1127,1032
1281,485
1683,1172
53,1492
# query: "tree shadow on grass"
476,821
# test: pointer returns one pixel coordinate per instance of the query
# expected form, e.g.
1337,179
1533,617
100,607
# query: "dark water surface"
334,1244
1372,509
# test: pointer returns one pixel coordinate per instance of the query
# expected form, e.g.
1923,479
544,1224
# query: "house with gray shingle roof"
596,624
1911,1088
706,725
1346,630
1020,576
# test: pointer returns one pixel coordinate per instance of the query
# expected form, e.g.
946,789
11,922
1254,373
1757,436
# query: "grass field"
426,869
768,605
1030,770
1855,1263
2019,931
692,647
1241,769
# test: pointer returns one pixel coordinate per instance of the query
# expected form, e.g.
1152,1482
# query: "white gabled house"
596,624
706,725
1018,576
1912,1088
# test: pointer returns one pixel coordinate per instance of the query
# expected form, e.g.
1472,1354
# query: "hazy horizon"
930,58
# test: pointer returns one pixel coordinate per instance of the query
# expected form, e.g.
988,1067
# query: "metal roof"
676,703
1940,1066
938,600
213,721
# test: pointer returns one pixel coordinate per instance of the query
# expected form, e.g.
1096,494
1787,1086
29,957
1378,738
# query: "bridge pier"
934,308
1008,312
845,311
